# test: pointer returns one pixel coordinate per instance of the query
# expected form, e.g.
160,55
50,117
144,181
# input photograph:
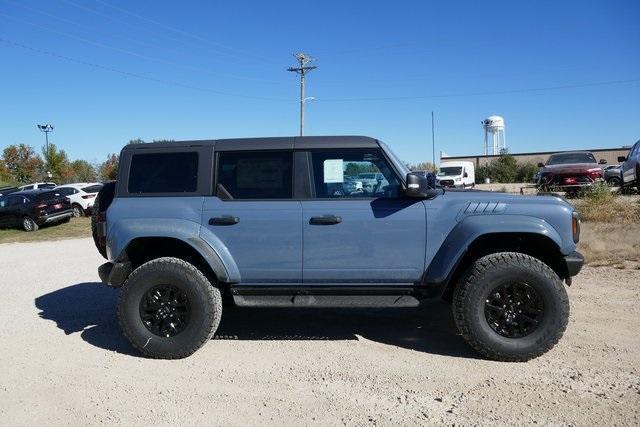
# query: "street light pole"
46,128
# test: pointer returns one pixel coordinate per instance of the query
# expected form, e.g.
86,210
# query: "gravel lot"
63,360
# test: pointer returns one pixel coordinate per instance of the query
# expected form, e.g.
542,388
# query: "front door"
255,217
358,227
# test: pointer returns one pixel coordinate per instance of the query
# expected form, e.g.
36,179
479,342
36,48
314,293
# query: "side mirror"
466,175
622,158
541,165
418,187
602,162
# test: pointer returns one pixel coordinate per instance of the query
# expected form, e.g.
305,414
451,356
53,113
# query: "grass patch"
76,228
600,204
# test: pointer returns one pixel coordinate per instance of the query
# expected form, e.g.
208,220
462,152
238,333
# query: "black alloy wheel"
514,310
165,310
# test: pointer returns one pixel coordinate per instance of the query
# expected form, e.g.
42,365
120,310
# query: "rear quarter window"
163,173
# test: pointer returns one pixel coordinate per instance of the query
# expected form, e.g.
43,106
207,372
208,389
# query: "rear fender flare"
215,253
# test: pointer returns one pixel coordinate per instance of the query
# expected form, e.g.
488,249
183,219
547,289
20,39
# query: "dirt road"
64,361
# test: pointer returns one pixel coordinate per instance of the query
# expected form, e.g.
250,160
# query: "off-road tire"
29,225
485,275
205,308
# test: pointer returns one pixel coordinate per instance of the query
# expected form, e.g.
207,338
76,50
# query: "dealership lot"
65,361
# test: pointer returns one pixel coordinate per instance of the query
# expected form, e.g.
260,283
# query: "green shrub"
526,171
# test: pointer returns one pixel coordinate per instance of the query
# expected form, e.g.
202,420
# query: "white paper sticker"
333,171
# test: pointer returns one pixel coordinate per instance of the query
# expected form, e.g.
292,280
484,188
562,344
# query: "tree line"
21,164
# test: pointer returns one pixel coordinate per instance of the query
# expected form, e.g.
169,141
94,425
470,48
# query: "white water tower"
494,139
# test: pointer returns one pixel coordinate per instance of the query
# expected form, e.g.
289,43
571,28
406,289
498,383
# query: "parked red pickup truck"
570,172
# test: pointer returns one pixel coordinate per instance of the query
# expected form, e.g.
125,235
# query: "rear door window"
164,173
255,175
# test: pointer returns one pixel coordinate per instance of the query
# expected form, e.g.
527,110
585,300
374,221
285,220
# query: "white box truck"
456,174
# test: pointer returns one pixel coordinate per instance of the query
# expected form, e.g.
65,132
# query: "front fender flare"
468,230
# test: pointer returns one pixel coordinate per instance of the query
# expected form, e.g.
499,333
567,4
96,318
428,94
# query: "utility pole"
302,69
46,128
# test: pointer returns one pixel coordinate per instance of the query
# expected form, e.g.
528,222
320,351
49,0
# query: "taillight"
89,196
594,173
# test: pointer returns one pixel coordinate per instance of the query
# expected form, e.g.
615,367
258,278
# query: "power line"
470,94
136,54
157,33
135,75
302,69
182,32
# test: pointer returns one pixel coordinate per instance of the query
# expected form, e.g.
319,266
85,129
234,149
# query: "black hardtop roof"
267,143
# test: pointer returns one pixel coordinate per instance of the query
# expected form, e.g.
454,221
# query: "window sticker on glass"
333,171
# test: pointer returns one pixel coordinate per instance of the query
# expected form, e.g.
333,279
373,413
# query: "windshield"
567,158
450,170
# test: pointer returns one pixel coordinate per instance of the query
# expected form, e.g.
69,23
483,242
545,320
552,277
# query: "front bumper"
114,274
574,262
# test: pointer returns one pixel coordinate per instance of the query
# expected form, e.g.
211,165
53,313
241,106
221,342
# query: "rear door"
254,214
356,231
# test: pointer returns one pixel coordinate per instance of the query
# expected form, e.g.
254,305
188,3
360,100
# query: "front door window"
355,173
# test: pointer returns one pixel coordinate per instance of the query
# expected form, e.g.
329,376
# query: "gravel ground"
63,360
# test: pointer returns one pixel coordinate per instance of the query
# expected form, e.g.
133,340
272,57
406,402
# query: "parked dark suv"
293,222
31,209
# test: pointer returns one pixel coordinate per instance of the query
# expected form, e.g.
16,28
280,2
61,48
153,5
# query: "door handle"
224,220
325,220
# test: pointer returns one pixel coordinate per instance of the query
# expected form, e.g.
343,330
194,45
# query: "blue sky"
104,72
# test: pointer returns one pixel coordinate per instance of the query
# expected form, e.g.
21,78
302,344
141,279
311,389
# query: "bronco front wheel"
168,309
511,307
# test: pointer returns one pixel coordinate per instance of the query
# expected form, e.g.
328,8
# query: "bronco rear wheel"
511,307
168,309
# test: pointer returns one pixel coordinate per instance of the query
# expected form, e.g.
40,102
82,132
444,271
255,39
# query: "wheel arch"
536,245
470,240
142,249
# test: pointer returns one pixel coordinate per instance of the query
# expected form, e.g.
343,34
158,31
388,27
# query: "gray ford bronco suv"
334,221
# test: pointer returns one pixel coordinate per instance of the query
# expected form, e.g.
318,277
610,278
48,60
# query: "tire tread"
498,260
188,271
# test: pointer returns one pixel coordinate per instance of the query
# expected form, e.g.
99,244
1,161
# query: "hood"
571,167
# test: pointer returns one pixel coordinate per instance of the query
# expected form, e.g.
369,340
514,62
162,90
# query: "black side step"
326,301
